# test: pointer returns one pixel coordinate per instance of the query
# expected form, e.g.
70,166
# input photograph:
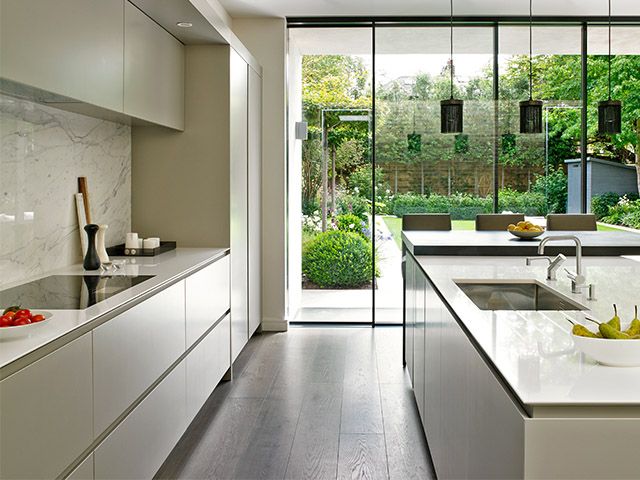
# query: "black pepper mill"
91,259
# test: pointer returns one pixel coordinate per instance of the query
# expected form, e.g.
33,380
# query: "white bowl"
24,330
614,353
525,234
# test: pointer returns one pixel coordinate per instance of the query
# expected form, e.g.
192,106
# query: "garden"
419,170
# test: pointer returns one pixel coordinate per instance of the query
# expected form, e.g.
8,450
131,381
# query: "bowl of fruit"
610,344
525,230
17,321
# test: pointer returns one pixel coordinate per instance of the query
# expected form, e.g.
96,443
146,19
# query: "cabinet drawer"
133,349
207,298
141,443
46,411
206,365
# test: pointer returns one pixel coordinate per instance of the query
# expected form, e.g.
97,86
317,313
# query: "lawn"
395,227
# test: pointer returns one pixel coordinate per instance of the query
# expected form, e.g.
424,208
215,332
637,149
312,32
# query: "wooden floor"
312,403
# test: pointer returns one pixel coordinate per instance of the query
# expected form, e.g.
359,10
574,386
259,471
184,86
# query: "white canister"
131,240
100,243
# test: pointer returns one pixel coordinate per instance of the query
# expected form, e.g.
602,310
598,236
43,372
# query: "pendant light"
451,109
531,110
609,111
414,140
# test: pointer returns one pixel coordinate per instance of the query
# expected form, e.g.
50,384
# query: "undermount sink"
520,295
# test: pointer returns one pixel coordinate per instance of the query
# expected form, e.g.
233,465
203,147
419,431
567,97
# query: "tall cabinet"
201,187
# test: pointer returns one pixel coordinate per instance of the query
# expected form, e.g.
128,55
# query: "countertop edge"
53,345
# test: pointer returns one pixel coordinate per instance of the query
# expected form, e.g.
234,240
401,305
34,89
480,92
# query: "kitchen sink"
521,295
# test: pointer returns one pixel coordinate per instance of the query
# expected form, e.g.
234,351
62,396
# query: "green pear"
615,320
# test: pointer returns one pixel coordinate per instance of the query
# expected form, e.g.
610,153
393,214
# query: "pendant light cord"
451,48
609,49
531,49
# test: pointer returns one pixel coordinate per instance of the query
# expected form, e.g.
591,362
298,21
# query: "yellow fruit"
521,224
583,331
511,227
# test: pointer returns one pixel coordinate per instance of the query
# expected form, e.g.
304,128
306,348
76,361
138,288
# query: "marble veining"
42,152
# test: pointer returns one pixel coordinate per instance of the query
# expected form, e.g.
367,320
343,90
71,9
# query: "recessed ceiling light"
185,24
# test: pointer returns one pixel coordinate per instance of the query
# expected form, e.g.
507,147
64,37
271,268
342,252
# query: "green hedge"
351,223
337,259
626,212
466,207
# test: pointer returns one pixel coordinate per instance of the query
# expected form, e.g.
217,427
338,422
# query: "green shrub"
600,204
626,212
529,203
553,187
337,259
349,222
353,204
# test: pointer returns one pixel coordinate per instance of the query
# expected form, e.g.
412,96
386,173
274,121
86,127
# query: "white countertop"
533,350
166,268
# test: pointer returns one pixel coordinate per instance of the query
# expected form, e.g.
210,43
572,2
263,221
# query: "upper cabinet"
68,47
93,53
153,71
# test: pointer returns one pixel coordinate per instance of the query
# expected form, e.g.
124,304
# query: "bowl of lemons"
610,344
525,230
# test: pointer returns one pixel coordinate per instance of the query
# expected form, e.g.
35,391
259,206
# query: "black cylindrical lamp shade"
451,116
609,117
531,116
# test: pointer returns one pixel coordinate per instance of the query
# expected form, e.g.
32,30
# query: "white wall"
265,38
42,152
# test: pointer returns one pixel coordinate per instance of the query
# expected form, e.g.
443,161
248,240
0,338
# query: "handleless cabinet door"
207,298
46,413
139,445
133,349
255,204
153,71
238,204
206,365
409,315
68,47
419,339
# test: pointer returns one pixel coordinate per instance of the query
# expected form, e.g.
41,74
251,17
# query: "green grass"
394,224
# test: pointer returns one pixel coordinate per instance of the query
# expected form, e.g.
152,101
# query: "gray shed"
602,176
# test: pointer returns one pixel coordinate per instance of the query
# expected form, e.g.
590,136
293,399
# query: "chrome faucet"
554,264
578,280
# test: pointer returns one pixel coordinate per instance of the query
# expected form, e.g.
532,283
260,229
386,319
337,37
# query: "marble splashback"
43,151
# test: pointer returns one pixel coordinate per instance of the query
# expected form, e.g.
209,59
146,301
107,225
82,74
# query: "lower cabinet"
473,427
409,318
141,443
206,365
46,413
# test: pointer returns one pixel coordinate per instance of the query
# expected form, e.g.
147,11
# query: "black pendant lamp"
609,111
531,110
451,109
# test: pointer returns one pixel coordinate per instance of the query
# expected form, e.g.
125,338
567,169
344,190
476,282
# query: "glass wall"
532,168
375,154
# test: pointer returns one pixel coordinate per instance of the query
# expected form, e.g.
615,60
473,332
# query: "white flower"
352,226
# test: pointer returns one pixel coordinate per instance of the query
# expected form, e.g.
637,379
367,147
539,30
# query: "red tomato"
37,318
10,314
6,321
23,312
22,321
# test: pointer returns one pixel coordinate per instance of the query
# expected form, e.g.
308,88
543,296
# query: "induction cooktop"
68,292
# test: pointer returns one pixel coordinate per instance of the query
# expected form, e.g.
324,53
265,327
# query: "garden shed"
602,176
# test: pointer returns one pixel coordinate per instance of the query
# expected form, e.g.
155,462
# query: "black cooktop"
68,292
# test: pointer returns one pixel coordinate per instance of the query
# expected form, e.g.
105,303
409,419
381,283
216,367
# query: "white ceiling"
300,8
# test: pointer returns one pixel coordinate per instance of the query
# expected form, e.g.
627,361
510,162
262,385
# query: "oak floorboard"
362,457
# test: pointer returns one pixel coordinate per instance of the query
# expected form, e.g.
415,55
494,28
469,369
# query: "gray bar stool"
585,222
497,221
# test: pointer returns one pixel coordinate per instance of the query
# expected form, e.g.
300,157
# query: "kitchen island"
106,389
472,242
504,394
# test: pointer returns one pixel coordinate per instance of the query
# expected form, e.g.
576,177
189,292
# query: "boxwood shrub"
337,259
351,223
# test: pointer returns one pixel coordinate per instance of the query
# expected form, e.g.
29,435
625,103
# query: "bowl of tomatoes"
17,321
